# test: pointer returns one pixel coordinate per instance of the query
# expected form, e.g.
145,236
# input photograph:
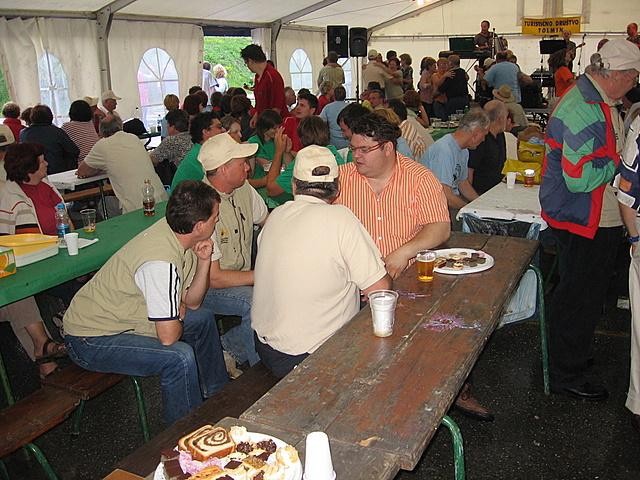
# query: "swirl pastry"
207,442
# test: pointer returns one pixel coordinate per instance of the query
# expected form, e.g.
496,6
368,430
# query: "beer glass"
425,261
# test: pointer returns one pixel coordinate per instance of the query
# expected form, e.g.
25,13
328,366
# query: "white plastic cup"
72,243
317,458
511,180
383,307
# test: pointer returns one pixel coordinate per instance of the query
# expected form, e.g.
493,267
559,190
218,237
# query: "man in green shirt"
203,126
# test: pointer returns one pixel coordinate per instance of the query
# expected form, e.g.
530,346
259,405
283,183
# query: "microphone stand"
580,57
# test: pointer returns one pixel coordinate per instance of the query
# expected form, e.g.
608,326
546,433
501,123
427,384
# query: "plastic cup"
383,307
511,180
153,128
71,240
529,177
88,220
317,458
425,262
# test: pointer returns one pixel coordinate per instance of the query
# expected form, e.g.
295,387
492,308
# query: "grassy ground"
226,51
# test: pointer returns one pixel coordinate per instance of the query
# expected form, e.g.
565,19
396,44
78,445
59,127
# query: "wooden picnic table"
380,400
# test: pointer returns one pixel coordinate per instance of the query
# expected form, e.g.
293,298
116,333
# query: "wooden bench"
231,401
77,195
24,421
87,385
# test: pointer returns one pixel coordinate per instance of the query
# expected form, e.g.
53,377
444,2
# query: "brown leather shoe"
467,404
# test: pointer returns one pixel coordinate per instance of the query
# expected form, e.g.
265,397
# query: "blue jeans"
235,301
189,369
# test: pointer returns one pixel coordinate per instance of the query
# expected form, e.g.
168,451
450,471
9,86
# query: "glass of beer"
88,219
425,260
529,177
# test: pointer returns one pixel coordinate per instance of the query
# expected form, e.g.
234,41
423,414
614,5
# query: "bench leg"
4,475
6,386
458,447
544,345
77,417
142,409
42,460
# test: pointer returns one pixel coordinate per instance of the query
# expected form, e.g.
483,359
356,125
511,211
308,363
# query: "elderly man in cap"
375,71
584,139
224,161
110,102
302,298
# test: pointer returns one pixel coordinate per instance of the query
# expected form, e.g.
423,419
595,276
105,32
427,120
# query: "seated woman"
232,125
80,127
28,201
268,124
326,95
240,106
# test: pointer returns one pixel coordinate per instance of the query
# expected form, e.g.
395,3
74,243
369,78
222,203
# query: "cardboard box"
7,262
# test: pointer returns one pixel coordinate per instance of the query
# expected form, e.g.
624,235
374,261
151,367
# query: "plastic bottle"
148,200
159,123
62,223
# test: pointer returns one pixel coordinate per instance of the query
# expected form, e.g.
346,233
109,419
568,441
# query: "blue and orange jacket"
580,160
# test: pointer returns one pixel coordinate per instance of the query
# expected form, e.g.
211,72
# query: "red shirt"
269,92
323,101
291,129
15,125
44,200
564,79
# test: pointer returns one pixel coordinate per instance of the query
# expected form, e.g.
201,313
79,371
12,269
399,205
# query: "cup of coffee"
511,180
383,308
88,220
529,177
317,458
425,262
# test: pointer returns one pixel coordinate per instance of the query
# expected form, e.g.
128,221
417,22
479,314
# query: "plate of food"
217,453
460,261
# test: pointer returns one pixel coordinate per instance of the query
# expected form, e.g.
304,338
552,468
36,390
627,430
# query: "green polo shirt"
190,168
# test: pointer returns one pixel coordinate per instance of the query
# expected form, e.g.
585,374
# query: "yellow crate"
7,263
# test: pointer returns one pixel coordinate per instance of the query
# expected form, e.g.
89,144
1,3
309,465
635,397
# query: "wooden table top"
391,393
381,400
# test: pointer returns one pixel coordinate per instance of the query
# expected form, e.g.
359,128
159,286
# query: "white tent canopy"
101,43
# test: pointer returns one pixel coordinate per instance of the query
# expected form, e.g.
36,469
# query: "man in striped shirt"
400,203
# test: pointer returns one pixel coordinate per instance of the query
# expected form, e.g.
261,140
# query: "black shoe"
635,421
586,391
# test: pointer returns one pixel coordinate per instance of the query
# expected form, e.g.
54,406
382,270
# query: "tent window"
157,77
54,89
300,70
345,63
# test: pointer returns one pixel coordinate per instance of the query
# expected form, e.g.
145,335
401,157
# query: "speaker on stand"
338,40
358,49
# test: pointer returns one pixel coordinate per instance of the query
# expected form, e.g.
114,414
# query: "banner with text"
550,26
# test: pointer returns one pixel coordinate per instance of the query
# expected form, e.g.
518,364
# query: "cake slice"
206,442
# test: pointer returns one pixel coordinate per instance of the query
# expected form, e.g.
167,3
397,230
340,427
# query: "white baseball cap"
222,148
308,163
620,54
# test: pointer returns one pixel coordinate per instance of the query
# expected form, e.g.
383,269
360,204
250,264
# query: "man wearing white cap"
302,298
96,113
375,71
231,277
110,102
6,139
584,139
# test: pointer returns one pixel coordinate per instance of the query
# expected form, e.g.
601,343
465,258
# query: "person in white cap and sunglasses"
110,102
231,276
584,140
302,298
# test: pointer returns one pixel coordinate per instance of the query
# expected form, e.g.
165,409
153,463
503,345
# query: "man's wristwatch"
635,239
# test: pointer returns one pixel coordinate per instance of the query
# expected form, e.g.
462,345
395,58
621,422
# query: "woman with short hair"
80,127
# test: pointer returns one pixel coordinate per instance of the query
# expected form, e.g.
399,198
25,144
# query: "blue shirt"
330,115
403,147
504,73
448,162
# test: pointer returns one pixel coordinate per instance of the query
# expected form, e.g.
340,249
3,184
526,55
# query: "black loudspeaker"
547,47
358,42
338,40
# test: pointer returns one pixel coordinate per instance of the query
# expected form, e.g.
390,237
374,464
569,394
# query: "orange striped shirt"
412,198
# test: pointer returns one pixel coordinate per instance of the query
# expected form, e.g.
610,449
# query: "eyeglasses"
365,150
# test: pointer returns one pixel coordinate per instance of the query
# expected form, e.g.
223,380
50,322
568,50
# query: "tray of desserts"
214,453
460,261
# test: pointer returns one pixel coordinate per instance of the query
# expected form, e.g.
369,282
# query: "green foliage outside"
4,91
226,51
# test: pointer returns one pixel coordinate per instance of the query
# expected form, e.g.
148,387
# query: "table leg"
104,205
458,447
6,386
543,328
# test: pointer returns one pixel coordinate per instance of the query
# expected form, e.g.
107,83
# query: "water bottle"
148,200
62,223
159,124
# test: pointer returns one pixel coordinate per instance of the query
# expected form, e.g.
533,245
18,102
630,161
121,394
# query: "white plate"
468,251
294,473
